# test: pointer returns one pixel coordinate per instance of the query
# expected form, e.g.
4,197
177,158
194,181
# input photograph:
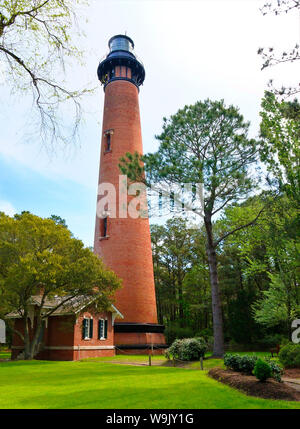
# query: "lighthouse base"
139,338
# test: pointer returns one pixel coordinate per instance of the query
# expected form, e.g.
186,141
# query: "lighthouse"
122,240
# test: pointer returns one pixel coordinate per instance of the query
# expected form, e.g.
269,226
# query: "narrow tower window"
103,227
108,140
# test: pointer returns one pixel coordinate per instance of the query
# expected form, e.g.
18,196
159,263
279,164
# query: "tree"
204,143
35,42
280,304
39,257
279,146
269,56
270,249
181,278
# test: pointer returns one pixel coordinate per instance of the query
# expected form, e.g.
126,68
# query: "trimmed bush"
173,350
232,361
276,369
289,356
262,370
239,363
247,364
187,349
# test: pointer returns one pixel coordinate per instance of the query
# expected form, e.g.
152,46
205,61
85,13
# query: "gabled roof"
72,306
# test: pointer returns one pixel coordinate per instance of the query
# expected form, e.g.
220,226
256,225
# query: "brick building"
71,332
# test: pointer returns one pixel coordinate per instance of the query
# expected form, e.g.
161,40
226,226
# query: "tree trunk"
180,296
35,342
31,344
26,337
218,350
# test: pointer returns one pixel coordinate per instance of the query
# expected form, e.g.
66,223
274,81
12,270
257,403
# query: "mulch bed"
292,373
248,384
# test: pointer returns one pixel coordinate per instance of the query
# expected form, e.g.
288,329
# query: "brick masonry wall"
66,331
78,340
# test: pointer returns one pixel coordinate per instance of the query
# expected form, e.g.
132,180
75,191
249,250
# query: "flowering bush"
187,349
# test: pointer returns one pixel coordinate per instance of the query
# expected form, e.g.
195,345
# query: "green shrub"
207,335
247,363
232,361
173,350
262,370
289,356
239,363
276,369
187,349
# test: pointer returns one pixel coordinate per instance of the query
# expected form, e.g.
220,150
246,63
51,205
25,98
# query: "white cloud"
7,208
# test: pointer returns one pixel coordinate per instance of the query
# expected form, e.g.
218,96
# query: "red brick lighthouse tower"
123,241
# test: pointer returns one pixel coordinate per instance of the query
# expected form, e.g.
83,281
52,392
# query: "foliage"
187,349
35,44
174,349
269,55
272,340
279,147
40,257
173,331
269,257
276,369
262,370
247,363
278,304
232,361
240,363
181,279
211,141
174,248
241,324
289,356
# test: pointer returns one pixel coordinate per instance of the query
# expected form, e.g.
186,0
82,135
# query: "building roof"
72,306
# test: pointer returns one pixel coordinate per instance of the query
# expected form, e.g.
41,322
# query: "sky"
191,50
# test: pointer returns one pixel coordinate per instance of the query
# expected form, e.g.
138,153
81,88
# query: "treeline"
258,275
258,266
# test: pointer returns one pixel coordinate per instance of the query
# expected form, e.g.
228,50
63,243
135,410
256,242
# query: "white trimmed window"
102,329
87,328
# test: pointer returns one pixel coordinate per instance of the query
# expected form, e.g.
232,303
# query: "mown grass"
126,358
4,354
100,384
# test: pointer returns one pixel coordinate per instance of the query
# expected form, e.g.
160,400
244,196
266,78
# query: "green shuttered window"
102,329
87,329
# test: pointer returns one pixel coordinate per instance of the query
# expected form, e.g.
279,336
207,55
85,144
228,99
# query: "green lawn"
4,354
99,384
